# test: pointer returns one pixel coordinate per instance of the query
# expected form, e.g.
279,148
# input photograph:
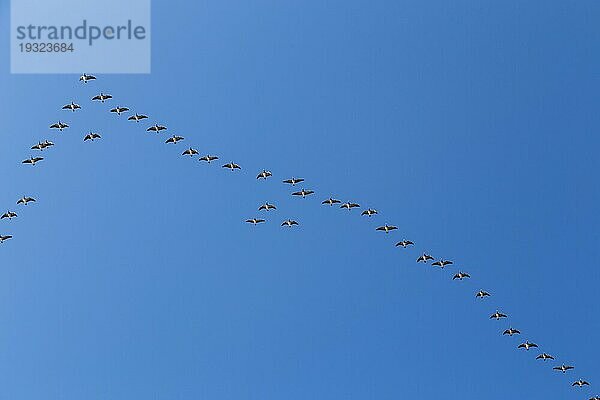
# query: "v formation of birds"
424,258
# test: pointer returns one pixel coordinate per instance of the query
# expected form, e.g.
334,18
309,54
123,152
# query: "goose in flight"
563,368
85,78
25,200
208,158
544,356
232,166
267,207
4,237
293,181
137,117
497,315
156,128
190,152
303,193
91,136
32,160
330,201
441,263
119,110
347,205
289,223
369,212
527,345
264,174
511,331
59,125
9,215
404,243
460,276
102,97
71,107
595,398
174,139
255,221
481,294
386,228
42,145
424,258
581,383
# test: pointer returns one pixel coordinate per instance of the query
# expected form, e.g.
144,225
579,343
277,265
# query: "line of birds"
289,223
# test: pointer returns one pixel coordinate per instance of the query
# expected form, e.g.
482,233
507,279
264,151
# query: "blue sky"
472,126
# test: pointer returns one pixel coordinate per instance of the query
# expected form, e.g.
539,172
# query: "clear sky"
472,126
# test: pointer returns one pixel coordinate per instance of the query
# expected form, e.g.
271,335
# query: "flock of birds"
424,258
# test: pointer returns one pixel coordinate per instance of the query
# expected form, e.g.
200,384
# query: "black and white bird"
32,160
481,294
544,356
293,181
232,166
71,107
386,228
511,332
255,221
264,174
42,145
527,345
59,125
595,398
208,158
441,263
267,207
581,383
348,205
25,200
404,243
563,368
9,215
156,128
190,152
424,258
368,212
119,110
303,193
461,275
137,117
102,97
498,315
85,78
3,238
289,223
174,139
331,201
91,136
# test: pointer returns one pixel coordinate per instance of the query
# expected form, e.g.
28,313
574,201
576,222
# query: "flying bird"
25,200
441,263
91,136
481,294
137,117
404,243
85,78
32,160
156,128
4,237
511,331
424,258
581,383
289,223
369,212
255,221
349,205
460,276
59,125
303,193
544,356
208,158
527,345
293,181
563,368
42,145
595,398
267,207
264,174
174,139
71,107
386,228
190,152
119,110
330,201
497,315
9,215
232,166
102,97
